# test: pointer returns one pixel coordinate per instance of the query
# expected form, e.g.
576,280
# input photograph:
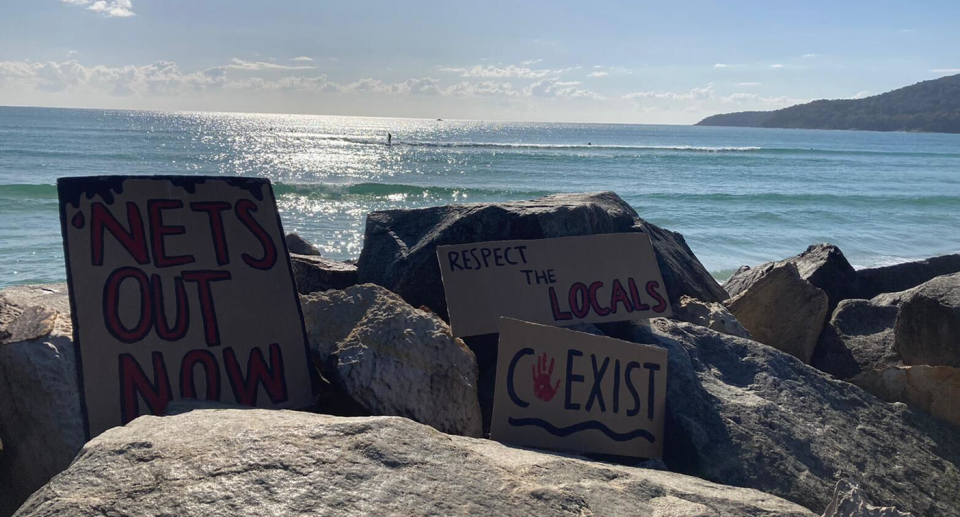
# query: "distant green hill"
931,106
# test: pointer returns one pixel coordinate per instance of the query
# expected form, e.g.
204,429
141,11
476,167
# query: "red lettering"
133,241
159,231
597,308
211,371
111,305
652,287
182,321
558,315
272,378
619,295
207,310
243,208
135,384
579,300
214,215
635,295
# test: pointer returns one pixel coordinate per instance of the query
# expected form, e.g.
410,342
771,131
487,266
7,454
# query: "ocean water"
738,195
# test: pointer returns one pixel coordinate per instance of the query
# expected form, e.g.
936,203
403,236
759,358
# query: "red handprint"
541,379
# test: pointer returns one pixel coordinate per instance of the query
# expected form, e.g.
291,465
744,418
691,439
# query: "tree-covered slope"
932,106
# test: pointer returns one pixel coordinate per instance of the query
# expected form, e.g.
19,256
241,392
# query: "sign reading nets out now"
560,281
180,287
566,390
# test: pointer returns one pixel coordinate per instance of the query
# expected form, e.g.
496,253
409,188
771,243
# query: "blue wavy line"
582,426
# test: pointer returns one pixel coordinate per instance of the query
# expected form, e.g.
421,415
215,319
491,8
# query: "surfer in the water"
389,139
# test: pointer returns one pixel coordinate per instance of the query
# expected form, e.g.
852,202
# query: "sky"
625,62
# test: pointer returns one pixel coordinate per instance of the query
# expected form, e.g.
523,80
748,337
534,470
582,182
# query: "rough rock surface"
823,265
928,325
300,246
40,422
848,501
782,310
749,415
314,273
258,462
900,277
711,315
394,359
858,338
934,389
400,246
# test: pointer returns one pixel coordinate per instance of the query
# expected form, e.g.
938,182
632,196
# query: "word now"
582,299
157,393
622,377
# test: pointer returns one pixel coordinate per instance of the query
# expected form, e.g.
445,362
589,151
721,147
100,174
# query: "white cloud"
693,94
748,84
721,65
554,87
109,8
495,72
861,95
482,89
302,58
699,99
530,62
239,64
946,70
777,65
808,56
597,74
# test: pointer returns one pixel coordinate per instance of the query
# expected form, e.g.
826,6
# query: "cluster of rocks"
772,402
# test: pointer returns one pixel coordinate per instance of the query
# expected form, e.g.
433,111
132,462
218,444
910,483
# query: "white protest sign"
566,390
559,281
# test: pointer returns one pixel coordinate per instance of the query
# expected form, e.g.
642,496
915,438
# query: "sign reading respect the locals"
560,281
566,390
180,287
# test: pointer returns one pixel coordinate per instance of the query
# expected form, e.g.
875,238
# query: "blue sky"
637,62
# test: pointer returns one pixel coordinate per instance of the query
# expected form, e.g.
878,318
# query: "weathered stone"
752,416
394,359
782,310
900,277
300,246
928,325
711,315
858,338
314,273
848,501
400,246
258,462
934,389
33,323
40,422
823,265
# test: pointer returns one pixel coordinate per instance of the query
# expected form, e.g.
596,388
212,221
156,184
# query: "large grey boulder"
752,416
399,250
782,310
928,324
40,423
823,265
849,501
713,315
900,277
393,359
300,246
933,389
259,462
314,273
858,338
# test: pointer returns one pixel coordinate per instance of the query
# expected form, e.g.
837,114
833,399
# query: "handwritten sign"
561,281
566,390
180,287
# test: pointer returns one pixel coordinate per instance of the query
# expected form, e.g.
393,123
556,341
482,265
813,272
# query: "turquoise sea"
739,196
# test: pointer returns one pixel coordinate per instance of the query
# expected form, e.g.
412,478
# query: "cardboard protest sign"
560,281
566,390
180,287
